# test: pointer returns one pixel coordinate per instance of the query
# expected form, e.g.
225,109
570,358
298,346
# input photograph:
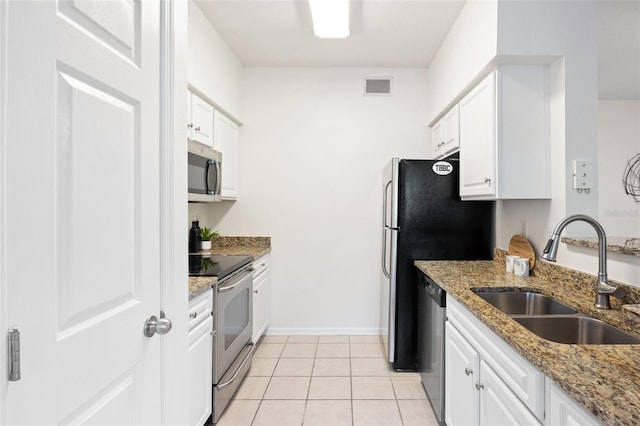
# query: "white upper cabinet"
213,128
451,126
200,124
504,136
225,140
437,139
445,134
478,136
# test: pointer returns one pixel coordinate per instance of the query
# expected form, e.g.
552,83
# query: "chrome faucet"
603,289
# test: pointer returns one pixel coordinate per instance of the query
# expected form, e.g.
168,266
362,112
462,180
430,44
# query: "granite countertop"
605,379
198,285
252,246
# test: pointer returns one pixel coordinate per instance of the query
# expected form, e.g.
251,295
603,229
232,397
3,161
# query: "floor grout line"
350,361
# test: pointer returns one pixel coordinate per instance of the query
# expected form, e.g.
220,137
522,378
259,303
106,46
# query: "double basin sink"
553,320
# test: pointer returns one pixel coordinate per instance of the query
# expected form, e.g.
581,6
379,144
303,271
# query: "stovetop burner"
216,266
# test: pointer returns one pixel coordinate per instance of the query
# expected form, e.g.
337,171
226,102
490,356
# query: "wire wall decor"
631,178
632,243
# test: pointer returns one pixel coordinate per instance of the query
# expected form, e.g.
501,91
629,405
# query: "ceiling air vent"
377,86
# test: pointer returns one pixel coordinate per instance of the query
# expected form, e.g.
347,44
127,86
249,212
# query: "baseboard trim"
322,331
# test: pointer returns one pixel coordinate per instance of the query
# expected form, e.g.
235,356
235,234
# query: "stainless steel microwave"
205,172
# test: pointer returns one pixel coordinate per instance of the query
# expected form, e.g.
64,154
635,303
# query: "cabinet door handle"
189,126
197,129
192,315
468,371
479,385
255,291
487,180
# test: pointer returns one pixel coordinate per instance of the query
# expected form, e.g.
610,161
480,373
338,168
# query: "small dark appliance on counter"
195,238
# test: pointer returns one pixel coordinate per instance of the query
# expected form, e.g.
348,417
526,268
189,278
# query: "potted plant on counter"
206,234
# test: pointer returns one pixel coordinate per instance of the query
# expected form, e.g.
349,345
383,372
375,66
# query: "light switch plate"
582,174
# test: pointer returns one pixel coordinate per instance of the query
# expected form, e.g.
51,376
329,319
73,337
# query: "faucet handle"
619,292
609,289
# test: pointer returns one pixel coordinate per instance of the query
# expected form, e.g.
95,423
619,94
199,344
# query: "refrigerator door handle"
384,253
385,200
384,230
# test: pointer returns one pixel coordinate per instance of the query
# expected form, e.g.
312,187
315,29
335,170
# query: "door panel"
95,151
462,370
114,23
82,199
499,406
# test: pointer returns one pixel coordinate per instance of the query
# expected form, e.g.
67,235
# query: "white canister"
510,262
521,267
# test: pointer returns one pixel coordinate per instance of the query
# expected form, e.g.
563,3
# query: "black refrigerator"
423,219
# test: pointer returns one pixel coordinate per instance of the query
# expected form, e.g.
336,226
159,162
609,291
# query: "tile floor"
328,381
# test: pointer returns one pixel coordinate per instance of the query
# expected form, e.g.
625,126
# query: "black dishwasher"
430,353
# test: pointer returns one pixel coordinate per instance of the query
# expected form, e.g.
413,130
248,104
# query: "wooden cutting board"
520,246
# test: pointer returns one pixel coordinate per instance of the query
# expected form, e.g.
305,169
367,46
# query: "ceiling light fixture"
330,18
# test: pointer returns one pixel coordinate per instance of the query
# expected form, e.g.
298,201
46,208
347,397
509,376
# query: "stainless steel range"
232,325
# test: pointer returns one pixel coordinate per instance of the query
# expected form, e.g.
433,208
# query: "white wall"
215,71
212,67
564,35
468,48
566,29
618,142
313,150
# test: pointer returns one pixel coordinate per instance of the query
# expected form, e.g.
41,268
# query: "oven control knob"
154,325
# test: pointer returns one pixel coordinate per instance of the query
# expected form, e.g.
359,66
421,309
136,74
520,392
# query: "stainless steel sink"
576,330
553,320
524,303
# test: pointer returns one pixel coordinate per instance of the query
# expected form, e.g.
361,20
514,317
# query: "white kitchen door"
81,220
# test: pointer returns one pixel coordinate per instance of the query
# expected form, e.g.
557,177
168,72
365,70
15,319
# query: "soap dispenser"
195,241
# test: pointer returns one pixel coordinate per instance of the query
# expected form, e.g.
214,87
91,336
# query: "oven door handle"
234,285
244,361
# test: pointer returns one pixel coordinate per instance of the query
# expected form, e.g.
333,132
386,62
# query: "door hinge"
14,355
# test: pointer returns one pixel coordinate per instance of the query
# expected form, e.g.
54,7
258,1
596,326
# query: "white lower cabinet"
200,358
462,369
260,297
565,411
489,383
498,404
